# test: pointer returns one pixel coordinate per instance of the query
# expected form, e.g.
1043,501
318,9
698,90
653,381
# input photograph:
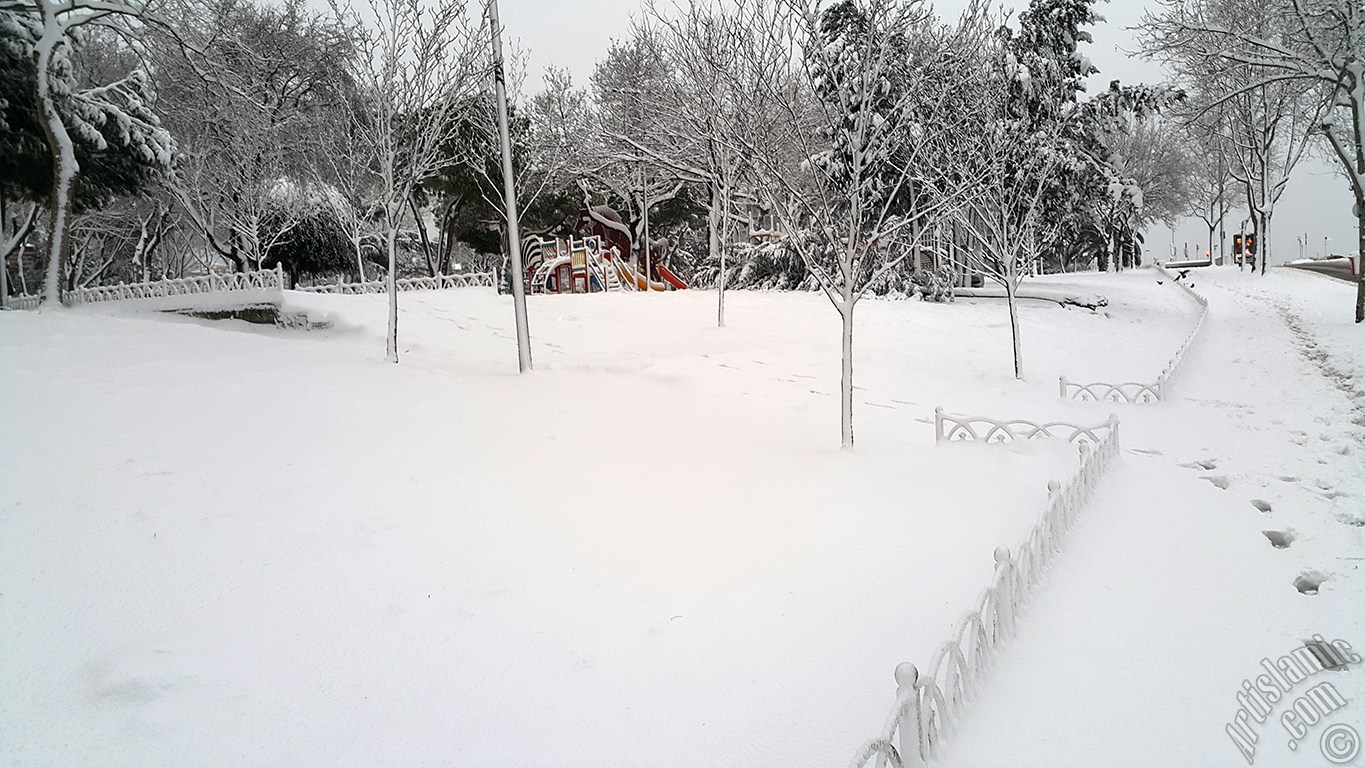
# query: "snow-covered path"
1170,592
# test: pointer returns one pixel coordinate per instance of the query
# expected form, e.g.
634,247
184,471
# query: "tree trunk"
446,246
1010,288
1360,256
359,258
715,252
23,271
422,234
846,377
64,167
393,289
1263,241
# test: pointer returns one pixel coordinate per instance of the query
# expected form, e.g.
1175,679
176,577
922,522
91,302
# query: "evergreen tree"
111,164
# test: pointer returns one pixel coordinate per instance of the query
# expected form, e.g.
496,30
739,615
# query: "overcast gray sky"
1317,202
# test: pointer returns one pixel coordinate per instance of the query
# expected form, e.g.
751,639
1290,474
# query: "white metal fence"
261,280
440,282
928,704
233,282
1141,392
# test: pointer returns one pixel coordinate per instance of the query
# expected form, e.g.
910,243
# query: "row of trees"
1269,81
141,140
872,131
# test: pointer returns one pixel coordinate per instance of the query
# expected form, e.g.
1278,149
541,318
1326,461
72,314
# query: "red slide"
671,278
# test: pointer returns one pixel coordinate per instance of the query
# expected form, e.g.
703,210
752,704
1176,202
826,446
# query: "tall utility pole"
644,203
509,186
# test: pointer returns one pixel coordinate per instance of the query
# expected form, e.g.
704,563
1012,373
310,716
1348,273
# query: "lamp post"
1325,241
510,197
1242,257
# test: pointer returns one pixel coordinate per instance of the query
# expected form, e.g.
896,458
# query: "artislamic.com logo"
1299,714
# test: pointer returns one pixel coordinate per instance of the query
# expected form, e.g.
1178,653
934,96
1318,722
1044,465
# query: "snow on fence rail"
23,301
927,705
261,280
440,282
1134,391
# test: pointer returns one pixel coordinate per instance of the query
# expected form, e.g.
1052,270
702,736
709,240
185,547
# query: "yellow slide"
638,280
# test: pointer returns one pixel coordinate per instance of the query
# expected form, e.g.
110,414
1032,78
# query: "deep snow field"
230,545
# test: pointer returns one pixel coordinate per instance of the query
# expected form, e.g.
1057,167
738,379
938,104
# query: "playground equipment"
598,260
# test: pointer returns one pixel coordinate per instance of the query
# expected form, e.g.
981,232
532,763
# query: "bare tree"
1212,195
417,68
723,57
857,165
1003,218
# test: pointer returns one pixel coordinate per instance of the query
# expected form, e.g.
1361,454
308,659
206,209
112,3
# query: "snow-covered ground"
222,544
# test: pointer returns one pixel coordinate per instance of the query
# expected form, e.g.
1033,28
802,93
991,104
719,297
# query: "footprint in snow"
1308,582
1221,481
139,677
1261,504
1204,464
1279,539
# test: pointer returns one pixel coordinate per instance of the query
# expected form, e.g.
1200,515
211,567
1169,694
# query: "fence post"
911,744
1005,606
279,275
1061,386
938,424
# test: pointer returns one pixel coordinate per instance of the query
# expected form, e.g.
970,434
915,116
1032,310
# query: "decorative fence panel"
1102,392
1139,392
261,280
950,428
233,282
928,704
440,282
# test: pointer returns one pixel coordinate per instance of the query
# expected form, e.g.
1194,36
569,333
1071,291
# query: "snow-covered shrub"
762,266
301,231
936,285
